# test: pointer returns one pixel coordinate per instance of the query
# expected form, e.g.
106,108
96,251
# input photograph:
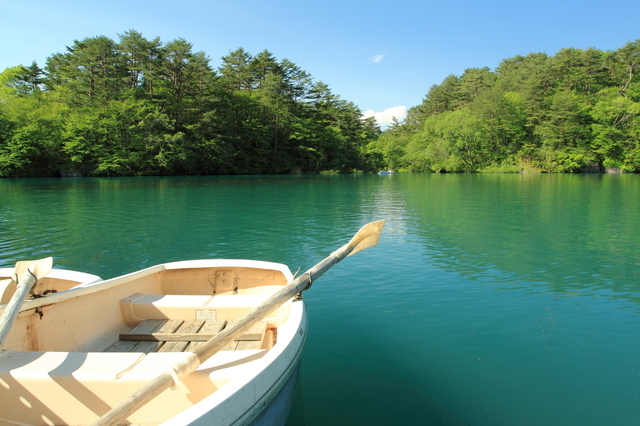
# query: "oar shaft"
366,237
298,285
11,311
213,345
245,322
146,393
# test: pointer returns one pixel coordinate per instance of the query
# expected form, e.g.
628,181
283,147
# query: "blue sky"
381,55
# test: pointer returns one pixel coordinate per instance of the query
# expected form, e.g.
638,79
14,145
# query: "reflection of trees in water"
569,233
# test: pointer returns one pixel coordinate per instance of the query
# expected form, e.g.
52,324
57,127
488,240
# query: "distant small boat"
385,172
194,342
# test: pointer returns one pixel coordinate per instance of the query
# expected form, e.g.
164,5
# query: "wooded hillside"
144,107
578,110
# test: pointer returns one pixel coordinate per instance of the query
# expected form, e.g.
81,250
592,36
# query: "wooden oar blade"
367,236
39,268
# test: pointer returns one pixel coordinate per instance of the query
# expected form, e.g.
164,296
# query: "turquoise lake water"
490,300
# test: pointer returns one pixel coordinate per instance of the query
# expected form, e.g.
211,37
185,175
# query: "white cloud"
377,58
385,118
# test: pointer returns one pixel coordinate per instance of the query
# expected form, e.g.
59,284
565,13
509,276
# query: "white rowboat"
214,342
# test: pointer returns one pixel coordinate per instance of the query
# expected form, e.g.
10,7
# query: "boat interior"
73,355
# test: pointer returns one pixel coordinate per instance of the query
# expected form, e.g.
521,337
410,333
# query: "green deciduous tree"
616,131
128,137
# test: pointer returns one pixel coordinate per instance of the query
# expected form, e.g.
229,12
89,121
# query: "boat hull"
277,411
240,386
264,398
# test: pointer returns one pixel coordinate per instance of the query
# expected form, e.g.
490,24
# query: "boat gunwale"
97,286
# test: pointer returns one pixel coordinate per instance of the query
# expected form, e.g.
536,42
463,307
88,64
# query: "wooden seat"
140,306
183,336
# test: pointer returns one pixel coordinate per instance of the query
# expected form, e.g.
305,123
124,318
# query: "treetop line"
144,107
576,111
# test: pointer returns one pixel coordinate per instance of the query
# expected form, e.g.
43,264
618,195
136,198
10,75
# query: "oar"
26,274
366,237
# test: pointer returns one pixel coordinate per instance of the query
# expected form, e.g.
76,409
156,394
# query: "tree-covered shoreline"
576,111
144,107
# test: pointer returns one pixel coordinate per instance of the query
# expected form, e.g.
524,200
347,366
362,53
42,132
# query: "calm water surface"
490,300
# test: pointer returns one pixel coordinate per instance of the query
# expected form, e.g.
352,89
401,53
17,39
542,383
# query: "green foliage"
615,128
31,135
32,150
565,122
578,110
126,137
10,84
139,106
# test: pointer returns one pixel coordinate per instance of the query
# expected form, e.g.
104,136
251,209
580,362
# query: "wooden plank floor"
183,336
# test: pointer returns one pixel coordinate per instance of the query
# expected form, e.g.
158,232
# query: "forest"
575,111
140,106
